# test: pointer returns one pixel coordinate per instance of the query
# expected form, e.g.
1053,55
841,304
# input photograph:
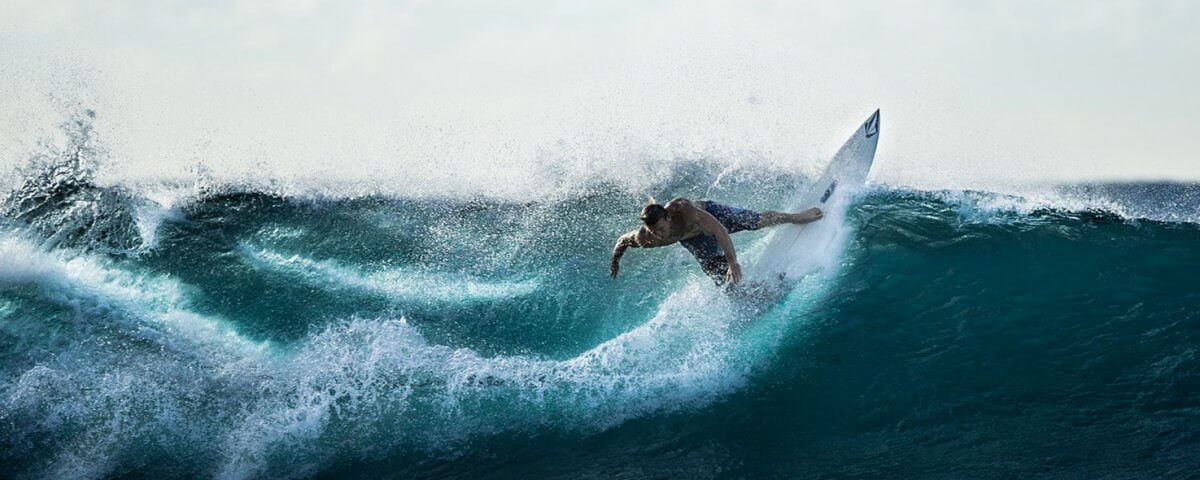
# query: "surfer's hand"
615,266
735,273
814,214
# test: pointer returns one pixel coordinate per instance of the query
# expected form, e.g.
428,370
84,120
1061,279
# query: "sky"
484,95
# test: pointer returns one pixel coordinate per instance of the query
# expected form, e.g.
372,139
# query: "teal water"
242,333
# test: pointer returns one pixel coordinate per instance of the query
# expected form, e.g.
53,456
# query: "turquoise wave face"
243,334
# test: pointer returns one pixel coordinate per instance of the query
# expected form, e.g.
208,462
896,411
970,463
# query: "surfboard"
793,251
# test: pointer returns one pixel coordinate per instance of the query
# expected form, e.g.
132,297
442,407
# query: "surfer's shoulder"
640,237
678,204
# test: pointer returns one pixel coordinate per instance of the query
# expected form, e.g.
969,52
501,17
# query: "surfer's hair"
653,212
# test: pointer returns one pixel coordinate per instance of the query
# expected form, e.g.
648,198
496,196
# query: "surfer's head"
655,217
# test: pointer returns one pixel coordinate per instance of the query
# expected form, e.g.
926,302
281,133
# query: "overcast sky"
973,93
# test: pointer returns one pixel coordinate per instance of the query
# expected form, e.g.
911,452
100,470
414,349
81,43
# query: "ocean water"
244,331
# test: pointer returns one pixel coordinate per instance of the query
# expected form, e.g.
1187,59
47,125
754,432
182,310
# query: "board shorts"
705,247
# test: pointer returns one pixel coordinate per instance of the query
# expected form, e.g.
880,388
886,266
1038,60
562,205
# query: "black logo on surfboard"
829,191
872,125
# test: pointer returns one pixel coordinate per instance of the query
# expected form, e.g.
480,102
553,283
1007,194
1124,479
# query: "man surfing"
703,227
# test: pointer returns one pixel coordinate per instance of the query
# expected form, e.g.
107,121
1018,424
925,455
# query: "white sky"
974,93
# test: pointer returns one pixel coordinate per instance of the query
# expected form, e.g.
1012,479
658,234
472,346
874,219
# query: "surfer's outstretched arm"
627,240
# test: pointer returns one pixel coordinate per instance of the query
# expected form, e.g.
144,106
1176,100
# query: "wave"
161,371
439,396
244,331
1161,202
157,373
123,340
60,200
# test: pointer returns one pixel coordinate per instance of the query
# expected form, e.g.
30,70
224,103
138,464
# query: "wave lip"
1161,202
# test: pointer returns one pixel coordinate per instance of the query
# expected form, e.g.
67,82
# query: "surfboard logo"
829,191
872,125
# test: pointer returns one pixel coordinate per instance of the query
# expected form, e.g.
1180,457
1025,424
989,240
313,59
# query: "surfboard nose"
871,126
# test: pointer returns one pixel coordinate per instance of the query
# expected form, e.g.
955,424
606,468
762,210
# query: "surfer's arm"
711,225
627,240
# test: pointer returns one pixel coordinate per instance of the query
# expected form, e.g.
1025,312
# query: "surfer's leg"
708,253
733,218
716,268
771,218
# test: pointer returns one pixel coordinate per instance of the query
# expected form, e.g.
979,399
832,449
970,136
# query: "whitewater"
254,328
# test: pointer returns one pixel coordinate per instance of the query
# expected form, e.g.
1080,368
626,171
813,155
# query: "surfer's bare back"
703,227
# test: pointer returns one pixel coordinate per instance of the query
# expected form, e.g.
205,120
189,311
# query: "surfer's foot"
810,215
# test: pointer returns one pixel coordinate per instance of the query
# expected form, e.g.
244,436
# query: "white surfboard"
793,251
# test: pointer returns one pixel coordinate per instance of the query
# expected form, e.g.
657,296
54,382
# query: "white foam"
689,354
402,284
6,308
157,205
994,207
157,305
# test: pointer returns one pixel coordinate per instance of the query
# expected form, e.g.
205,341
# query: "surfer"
703,227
